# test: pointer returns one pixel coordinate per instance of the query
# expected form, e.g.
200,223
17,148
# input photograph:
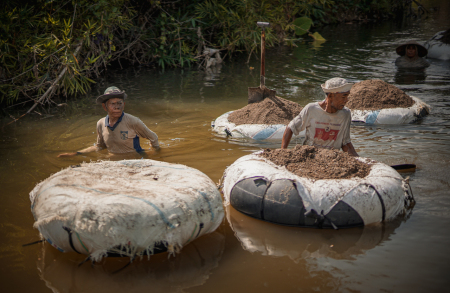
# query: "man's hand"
348,148
67,155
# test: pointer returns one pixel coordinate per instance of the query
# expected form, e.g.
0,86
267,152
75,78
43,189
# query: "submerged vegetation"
57,48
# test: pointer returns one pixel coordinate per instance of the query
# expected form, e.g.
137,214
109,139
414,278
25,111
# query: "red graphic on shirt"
326,134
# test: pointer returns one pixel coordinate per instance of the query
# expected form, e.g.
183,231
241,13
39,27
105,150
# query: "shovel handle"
263,57
263,25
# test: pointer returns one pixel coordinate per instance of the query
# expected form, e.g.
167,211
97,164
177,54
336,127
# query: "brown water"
410,254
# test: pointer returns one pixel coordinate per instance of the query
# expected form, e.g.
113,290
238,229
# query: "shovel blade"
405,168
257,94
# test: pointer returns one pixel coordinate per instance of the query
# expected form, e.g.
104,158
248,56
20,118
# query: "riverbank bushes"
57,48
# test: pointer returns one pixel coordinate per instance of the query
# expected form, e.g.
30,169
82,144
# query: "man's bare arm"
287,135
348,148
83,151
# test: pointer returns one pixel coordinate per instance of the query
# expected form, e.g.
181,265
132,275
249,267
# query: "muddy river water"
409,254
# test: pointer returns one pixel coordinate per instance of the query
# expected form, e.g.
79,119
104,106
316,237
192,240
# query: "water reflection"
302,52
306,243
192,267
408,76
212,73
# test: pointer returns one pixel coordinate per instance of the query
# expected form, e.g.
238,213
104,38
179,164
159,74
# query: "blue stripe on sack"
54,245
266,133
209,204
137,145
372,117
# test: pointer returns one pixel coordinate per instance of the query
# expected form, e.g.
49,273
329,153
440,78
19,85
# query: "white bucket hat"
336,85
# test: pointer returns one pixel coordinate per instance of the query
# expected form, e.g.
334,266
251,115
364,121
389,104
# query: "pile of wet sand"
269,111
375,94
317,163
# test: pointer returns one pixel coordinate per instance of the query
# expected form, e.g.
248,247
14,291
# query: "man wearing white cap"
119,132
327,123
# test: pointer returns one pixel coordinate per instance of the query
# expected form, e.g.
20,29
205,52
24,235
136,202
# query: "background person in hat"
119,132
327,123
411,54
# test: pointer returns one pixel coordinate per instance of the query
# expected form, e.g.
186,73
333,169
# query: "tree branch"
50,89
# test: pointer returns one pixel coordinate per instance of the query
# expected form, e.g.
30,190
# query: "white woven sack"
436,48
325,194
253,131
129,205
393,115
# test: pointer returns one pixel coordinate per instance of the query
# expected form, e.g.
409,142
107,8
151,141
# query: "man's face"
114,107
411,51
338,100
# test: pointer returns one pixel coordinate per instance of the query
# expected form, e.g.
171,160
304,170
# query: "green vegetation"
57,48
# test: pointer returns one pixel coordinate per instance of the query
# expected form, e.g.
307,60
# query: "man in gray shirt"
119,132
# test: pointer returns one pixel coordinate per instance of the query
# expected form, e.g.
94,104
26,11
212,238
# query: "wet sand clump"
269,111
317,163
375,94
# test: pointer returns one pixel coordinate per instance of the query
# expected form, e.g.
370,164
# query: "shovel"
404,168
257,94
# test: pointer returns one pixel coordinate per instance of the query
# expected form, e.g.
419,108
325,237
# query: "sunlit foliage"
52,48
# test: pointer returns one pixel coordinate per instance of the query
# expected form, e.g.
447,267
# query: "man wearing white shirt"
327,123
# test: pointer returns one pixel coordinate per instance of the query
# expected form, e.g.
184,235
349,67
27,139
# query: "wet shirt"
406,62
323,129
124,136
